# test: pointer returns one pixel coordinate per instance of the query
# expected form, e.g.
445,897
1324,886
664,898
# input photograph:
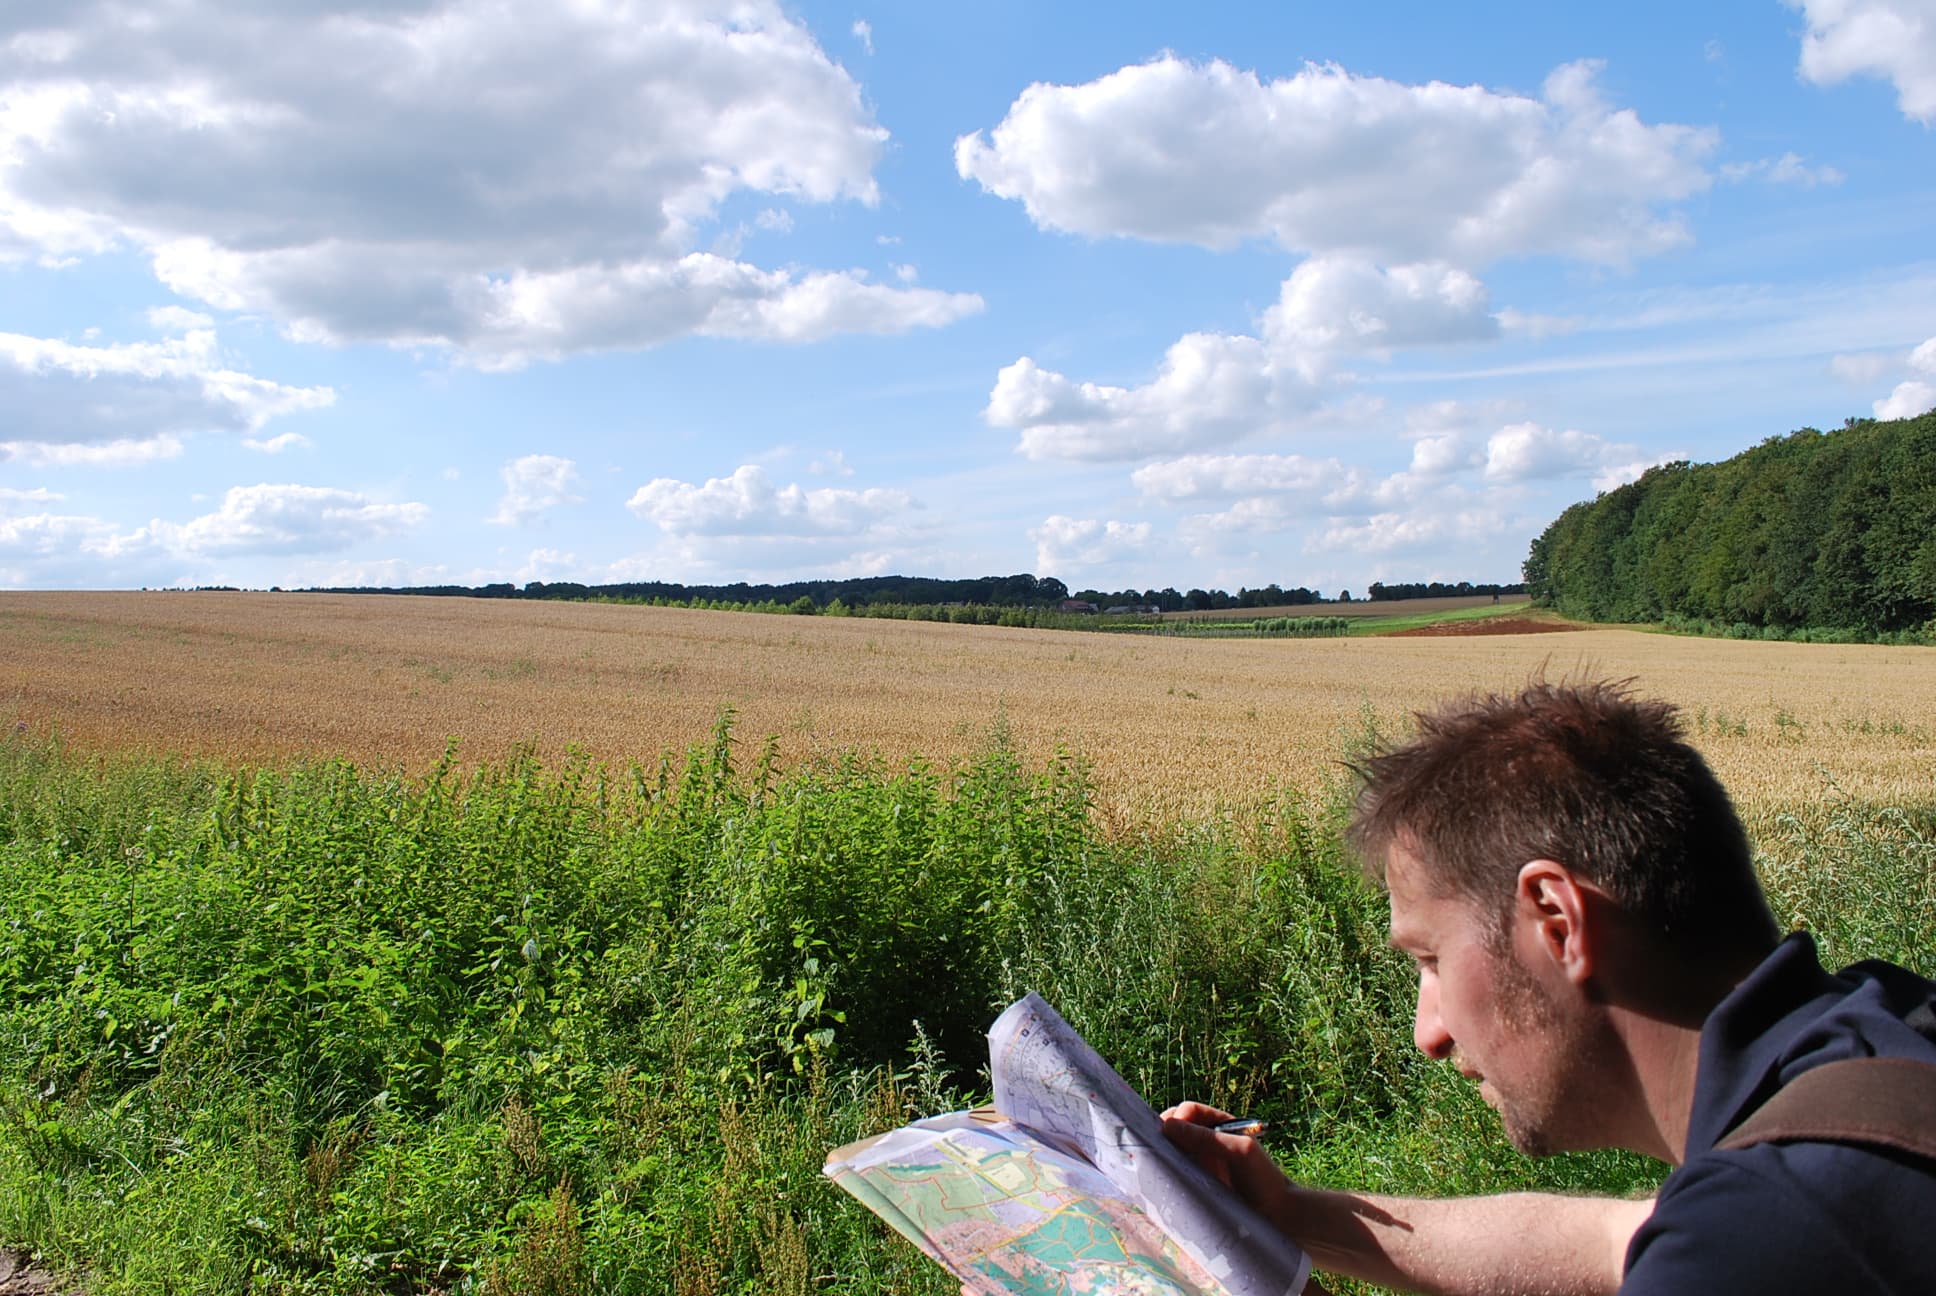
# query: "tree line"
1378,591
1812,534
1021,591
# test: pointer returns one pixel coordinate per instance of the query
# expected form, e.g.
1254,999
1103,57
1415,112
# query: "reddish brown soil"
1488,626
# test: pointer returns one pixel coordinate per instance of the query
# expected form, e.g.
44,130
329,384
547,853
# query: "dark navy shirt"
1800,1217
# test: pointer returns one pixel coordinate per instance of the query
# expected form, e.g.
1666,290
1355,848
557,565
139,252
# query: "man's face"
1483,1006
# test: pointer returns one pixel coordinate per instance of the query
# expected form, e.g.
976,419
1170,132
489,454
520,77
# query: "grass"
578,1028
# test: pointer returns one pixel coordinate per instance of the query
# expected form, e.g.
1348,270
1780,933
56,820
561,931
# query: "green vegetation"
588,1030
1815,536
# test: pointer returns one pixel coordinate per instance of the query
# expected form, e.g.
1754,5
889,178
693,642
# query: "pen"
1249,1126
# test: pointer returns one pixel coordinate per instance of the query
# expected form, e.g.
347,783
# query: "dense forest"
1813,533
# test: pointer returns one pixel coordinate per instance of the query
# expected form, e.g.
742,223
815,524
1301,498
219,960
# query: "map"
1006,1211
1066,1185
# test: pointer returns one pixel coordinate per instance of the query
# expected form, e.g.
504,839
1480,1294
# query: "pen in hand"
1248,1126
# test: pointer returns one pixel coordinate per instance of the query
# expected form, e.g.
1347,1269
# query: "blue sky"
411,292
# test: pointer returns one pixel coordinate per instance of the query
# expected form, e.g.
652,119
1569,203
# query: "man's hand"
1236,1161
1470,1246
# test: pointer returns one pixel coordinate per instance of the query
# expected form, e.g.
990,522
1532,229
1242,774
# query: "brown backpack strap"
1890,1102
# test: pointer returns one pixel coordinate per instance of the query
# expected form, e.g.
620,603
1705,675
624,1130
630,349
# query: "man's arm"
1531,1243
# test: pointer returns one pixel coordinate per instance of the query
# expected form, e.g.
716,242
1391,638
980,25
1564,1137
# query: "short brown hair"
1587,775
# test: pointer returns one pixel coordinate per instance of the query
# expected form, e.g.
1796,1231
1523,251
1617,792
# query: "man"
1595,952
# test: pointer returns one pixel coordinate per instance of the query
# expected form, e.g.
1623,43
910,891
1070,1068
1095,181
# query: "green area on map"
1006,1211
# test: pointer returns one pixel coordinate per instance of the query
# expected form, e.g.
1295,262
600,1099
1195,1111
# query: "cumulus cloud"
1787,169
1910,397
1342,303
1328,161
1066,544
35,545
534,485
1392,191
747,504
1411,531
1907,400
64,402
279,443
1316,482
1211,390
1522,452
1892,39
1441,456
422,173
40,545
1525,452
286,519
864,33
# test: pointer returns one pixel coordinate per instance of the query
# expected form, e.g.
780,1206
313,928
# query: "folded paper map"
1065,1185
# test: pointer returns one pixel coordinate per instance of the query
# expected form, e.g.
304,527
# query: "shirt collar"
1747,1039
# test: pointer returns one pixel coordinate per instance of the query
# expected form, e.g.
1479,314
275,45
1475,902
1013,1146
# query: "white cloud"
1330,162
177,319
1212,389
534,485
378,573
1344,305
1065,544
1789,168
1441,456
1526,452
1863,368
126,452
49,543
747,504
12,498
1341,303
130,403
1536,326
1412,531
547,565
286,519
1316,482
1893,39
831,464
278,444
864,33
1910,397
429,174
1614,474
1907,401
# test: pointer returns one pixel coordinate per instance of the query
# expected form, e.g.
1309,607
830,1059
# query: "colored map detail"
1006,1211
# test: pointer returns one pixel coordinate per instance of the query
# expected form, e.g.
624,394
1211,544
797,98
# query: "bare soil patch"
1486,626
19,1276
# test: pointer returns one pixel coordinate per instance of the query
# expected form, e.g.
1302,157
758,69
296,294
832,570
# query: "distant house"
1077,605
1133,609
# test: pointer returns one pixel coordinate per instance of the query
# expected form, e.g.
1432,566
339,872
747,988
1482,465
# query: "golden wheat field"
1170,725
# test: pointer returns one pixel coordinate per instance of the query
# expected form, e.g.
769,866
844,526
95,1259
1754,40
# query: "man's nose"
1428,1032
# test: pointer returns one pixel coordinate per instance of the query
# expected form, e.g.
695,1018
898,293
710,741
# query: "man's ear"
1557,909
